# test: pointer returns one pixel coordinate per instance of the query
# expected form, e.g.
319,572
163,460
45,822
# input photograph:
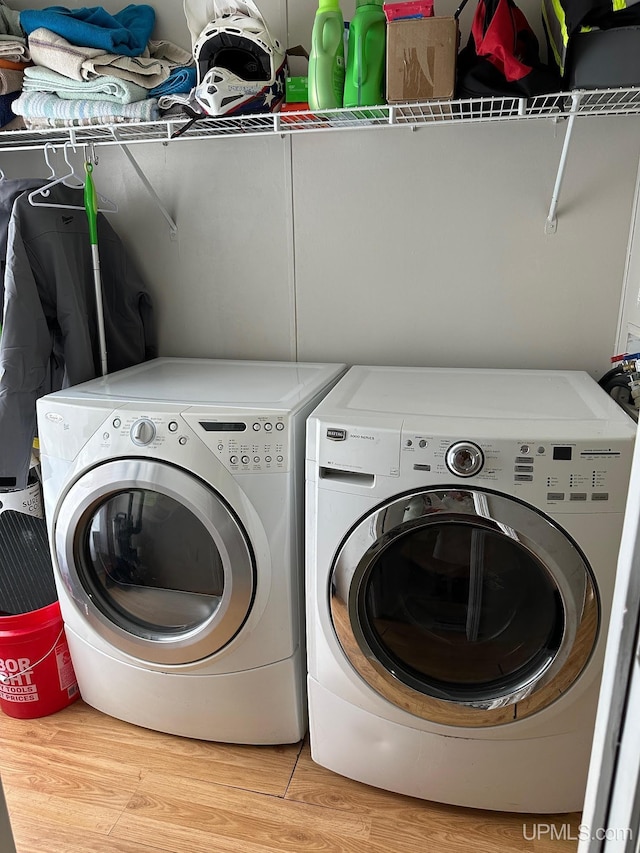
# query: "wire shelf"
555,106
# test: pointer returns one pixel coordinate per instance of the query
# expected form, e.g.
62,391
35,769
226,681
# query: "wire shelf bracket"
551,224
147,184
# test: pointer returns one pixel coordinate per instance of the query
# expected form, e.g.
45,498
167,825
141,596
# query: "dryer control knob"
464,459
143,432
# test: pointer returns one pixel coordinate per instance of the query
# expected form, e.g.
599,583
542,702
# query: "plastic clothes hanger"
70,179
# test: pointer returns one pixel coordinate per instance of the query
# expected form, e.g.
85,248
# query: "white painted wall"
628,339
385,246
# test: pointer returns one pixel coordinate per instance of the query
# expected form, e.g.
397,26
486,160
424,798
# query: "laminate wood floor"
81,782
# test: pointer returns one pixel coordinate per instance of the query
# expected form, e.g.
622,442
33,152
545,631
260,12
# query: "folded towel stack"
14,57
44,110
91,67
37,78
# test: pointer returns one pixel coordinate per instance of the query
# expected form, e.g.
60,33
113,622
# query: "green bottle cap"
329,5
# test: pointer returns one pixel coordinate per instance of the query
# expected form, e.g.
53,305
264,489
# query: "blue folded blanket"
126,33
179,80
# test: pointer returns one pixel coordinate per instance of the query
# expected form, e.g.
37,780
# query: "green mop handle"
91,204
91,207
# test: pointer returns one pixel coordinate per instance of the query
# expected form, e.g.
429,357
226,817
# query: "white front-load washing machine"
462,535
173,497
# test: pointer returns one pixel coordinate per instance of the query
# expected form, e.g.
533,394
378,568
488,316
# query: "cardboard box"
421,59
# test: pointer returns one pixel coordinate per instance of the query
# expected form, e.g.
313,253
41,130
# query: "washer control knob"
464,459
143,432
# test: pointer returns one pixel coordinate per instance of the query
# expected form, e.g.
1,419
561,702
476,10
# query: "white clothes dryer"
173,497
462,535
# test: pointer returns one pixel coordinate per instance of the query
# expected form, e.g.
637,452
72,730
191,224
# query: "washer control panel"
570,474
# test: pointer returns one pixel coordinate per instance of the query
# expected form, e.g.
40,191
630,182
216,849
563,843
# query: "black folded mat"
26,573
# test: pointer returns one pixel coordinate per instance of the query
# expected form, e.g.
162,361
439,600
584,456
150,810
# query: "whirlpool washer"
462,533
173,498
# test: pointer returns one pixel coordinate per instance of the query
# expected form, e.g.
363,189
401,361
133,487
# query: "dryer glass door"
157,558
466,607
153,560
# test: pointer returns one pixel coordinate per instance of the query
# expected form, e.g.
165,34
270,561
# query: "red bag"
502,55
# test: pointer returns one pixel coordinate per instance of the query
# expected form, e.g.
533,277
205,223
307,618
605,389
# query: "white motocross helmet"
240,68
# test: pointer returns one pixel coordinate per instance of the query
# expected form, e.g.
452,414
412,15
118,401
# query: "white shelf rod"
551,224
154,195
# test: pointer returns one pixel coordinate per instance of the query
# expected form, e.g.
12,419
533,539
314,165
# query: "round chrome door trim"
96,486
543,541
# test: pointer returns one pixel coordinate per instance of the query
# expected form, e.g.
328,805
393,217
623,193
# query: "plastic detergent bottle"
326,60
364,82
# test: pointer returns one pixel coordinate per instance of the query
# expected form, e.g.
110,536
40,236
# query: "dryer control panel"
243,442
576,475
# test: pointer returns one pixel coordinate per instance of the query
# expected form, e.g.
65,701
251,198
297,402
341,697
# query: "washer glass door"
156,558
464,607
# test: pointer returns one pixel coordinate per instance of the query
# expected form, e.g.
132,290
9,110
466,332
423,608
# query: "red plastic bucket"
36,673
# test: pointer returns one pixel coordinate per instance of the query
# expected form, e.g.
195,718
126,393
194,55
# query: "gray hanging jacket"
50,335
10,189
